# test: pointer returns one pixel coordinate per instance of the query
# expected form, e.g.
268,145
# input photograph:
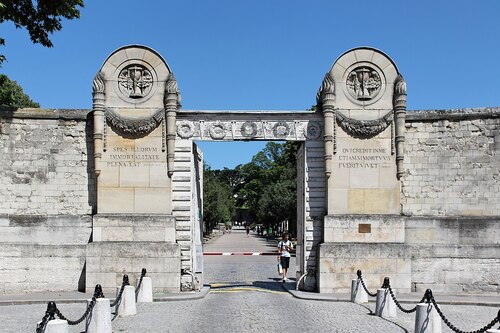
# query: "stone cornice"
411,115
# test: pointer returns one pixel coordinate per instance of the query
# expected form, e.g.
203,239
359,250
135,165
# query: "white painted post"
385,307
127,306
427,320
145,294
493,330
100,318
358,293
56,326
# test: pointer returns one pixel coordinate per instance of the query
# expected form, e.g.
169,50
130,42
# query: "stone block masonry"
452,163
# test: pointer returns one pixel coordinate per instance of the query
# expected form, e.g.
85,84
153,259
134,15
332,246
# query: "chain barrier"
49,315
430,299
387,285
360,278
143,274
97,294
118,299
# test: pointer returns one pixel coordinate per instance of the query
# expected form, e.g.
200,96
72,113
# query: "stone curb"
83,299
441,299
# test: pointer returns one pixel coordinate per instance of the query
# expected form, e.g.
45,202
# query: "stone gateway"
89,195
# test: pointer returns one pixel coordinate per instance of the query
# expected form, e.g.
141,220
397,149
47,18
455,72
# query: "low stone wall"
449,255
36,267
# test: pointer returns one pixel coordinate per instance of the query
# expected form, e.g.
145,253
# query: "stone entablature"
249,125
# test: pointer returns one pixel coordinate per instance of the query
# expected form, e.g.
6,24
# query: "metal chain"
399,304
143,274
119,297
360,278
90,307
40,328
453,328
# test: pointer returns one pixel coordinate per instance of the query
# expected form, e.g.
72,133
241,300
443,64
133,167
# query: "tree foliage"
266,187
12,95
218,201
40,18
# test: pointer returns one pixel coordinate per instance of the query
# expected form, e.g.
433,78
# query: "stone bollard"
57,326
358,293
385,307
493,330
145,294
127,305
99,320
427,319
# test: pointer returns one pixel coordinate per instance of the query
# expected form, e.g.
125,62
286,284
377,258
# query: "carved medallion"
281,129
185,129
249,129
313,130
217,131
363,83
135,81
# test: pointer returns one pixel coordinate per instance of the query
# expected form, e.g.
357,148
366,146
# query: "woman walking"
284,248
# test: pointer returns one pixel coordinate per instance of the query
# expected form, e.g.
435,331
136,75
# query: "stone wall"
452,163
47,198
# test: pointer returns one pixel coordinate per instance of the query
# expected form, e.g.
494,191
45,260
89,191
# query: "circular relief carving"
249,129
281,129
135,81
313,131
185,129
217,131
364,83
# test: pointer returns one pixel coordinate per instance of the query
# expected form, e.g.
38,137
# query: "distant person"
284,248
248,230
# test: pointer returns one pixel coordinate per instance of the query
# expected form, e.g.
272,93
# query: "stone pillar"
135,104
57,326
400,115
358,293
100,319
99,121
427,319
385,306
326,99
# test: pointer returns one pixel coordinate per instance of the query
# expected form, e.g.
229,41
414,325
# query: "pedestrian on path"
284,248
248,230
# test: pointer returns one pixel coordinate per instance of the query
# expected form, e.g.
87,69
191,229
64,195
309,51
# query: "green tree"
218,201
12,95
40,18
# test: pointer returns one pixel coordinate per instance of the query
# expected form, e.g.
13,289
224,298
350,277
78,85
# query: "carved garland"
134,127
363,129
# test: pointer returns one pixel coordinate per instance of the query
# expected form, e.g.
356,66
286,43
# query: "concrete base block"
145,294
100,320
127,305
57,326
358,293
427,319
385,307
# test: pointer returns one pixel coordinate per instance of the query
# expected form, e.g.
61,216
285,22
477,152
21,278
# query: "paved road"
248,297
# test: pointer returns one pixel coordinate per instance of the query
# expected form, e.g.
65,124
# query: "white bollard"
493,330
385,307
100,318
145,294
358,293
427,319
56,326
127,304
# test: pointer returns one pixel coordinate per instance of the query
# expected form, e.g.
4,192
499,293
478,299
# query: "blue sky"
267,54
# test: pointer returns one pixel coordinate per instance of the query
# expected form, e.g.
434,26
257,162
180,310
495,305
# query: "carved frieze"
249,129
185,129
135,81
217,130
363,83
313,130
134,127
363,129
281,129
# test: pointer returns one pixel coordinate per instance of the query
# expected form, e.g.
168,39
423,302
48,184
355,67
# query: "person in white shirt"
284,248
